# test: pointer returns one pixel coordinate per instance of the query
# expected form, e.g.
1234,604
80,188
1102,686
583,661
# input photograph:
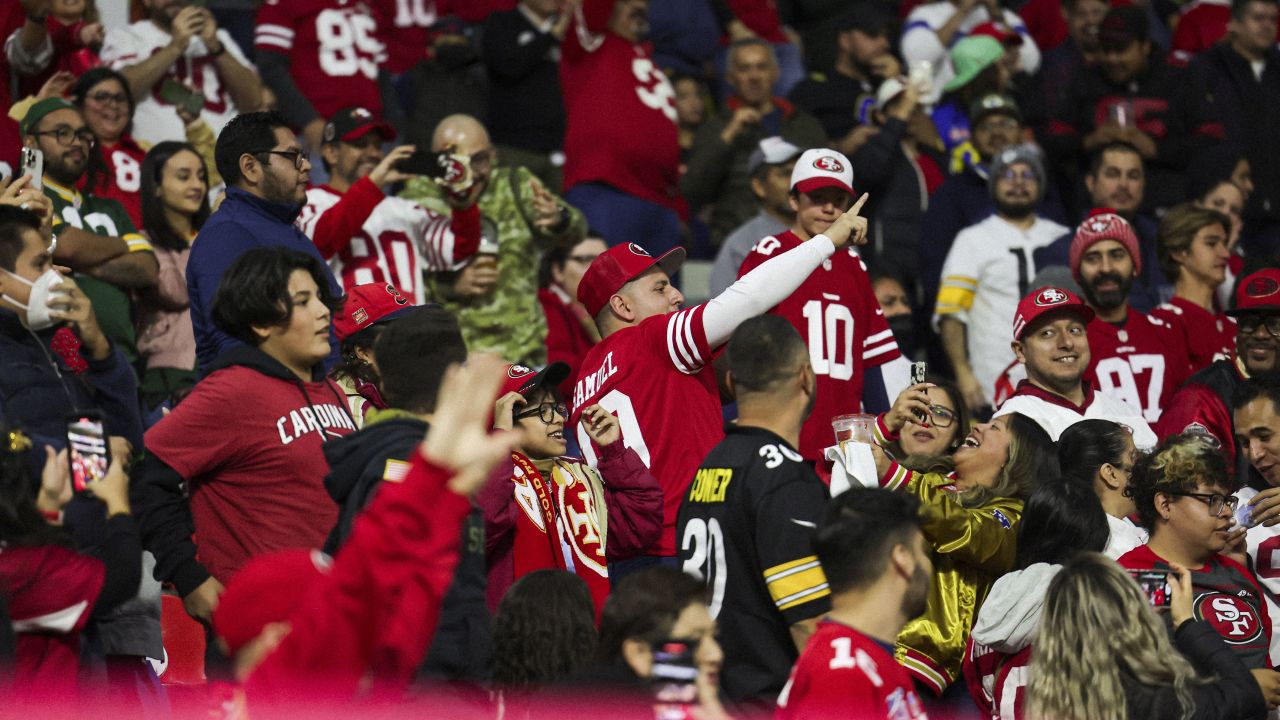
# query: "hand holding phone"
1156,586
88,451
31,162
451,170
674,679
180,96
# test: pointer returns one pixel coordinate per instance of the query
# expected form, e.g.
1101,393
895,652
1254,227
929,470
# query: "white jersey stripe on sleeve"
273,42
690,343
878,337
683,340
278,30
445,238
431,248
672,332
873,352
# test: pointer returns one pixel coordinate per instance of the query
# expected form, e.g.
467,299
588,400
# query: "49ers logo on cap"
515,372
1262,287
1234,619
1050,296
827,163
637,250
361,114
1099,223
395,293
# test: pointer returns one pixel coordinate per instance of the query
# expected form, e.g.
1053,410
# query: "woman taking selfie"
1103,654
942,431
972,502
1183,495
175,204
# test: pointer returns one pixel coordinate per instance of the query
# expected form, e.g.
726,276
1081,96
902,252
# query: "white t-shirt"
987,271
1124,537
1056,416
155,120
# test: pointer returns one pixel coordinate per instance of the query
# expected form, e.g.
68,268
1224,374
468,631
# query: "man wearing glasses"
988,269
92,235
1203,404
526,218
266,174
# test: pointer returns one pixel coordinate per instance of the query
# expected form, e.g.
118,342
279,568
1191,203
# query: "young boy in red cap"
557,512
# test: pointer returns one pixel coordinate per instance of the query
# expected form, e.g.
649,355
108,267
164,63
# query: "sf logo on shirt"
1234,619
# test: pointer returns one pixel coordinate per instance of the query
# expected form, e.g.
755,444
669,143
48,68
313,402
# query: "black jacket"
525,109
462,645
1233,695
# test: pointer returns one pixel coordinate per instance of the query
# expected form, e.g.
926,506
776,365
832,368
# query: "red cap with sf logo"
618,266
1047,300
1258,292
369,305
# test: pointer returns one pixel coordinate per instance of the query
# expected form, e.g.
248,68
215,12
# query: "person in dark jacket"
54,356
717,170
1128,667
240,460
1243,74
266,173
412,353
1133,96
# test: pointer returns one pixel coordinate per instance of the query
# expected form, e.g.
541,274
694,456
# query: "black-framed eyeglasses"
1249,324
942,416
1012,174
546,412
1215,501
297,155
66,135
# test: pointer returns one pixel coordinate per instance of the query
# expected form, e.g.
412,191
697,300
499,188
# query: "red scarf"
566,507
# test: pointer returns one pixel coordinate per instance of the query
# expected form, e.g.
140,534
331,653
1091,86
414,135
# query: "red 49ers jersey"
1227,596
1263,544
657,378
333,48
839,318
1207,336
620,111
843,673
122,180
1142,362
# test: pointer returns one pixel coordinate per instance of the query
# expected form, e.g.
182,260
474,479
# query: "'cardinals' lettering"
313,418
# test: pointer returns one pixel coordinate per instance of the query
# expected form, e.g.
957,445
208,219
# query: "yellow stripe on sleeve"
796,582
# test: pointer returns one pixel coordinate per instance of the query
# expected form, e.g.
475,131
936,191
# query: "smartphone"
443,167
88,452
31,162
674,680
181,96
919,371
1156,585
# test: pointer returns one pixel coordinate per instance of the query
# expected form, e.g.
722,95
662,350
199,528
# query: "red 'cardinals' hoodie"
247,442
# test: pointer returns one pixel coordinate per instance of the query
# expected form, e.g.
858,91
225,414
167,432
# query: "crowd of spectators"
363,357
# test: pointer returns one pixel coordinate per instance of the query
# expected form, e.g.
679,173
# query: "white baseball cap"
822,167
889,89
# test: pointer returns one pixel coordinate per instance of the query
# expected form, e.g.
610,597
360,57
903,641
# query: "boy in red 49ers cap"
652,368
851,347
1050,339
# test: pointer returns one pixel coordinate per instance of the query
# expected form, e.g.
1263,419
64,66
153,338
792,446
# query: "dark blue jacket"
38,390
243,222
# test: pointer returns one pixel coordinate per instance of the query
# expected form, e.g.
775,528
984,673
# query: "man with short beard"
872,548
1051,341
266,171
180,41
988,268
1203,404
1136,357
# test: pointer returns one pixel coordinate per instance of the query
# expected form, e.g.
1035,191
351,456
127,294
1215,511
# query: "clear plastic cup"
856,427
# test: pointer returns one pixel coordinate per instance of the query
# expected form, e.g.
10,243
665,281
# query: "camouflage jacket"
510,321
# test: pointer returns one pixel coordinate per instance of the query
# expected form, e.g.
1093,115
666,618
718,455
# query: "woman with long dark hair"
544,632
939,432
973,501
1100,454
175,205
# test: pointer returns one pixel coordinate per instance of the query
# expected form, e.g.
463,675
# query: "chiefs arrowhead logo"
1262,287
1050,296
827,163
637,250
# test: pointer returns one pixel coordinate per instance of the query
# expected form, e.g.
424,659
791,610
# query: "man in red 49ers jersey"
1135,357
622,154
319,56
652,368
851,347
368,237
877,564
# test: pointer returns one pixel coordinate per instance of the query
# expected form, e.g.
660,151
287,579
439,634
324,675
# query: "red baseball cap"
822,167
353,123
618,266
1046,300
525,380
1006,36
1258,292
267,589
369,305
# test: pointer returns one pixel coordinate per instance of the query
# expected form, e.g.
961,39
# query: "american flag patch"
1004,521
397,470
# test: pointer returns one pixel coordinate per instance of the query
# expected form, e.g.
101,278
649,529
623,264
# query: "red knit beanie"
1103,224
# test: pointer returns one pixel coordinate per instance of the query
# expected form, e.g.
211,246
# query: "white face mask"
37,307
